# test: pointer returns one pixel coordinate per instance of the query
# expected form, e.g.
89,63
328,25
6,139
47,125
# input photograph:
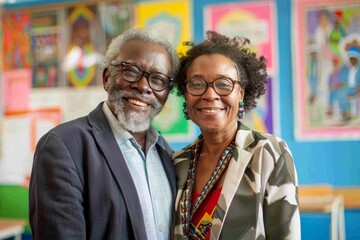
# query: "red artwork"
16,40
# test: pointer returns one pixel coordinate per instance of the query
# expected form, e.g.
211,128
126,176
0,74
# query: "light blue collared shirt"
148,175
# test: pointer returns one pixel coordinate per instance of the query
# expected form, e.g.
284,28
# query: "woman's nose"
210,93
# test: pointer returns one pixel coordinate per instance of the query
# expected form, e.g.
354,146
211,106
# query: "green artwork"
171,122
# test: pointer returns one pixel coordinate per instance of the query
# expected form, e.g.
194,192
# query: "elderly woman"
233,182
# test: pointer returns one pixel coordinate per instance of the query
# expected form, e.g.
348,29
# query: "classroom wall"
333,162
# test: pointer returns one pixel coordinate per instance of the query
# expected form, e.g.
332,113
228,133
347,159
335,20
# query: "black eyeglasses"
223,86
133,73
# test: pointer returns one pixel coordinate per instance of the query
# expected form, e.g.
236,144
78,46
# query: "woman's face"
210,111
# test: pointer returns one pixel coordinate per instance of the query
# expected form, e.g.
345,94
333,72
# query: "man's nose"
143,84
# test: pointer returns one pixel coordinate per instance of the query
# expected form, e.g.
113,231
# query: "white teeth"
210,110
136,102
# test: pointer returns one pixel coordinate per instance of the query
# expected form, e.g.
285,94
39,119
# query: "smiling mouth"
137,102
210,110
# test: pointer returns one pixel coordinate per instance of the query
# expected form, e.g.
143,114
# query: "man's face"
354,61
136,104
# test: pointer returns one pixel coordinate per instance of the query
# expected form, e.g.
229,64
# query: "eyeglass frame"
212,85
147,74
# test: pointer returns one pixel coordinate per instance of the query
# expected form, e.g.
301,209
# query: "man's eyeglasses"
132,73
223,86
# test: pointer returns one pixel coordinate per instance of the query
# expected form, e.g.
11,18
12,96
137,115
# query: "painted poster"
16,40
16,156
1,52
22,130
1,88
255,21
86,38
173,20
261,118
327,70
16,90
115,18
45,41
171,121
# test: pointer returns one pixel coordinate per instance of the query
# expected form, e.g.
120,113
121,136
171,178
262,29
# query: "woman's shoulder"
184,153
256,139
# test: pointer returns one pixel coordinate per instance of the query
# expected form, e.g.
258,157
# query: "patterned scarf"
186,210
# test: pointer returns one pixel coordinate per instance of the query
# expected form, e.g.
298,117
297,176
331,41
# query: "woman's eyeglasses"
223,86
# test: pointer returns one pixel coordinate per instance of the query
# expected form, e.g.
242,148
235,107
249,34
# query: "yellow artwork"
171,18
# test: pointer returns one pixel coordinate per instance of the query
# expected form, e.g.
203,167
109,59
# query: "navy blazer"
80,186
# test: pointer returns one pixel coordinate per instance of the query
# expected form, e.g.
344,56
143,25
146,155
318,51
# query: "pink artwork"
326,70
253,20
16,88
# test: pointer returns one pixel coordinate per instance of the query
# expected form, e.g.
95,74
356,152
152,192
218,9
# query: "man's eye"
158,79
130,72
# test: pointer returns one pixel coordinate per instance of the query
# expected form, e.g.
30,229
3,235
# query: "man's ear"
106,78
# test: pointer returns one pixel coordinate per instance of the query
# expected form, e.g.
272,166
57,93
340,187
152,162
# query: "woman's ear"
242,94
106,78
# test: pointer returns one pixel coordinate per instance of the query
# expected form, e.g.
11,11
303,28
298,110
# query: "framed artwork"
41,121
171,122
16,88
22,130
261,118
115,18
171,18
326,70
45,38
86,39
1,48
16,40
255,21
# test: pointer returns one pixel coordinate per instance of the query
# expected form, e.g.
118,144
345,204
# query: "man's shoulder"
71,125
165,144
78,124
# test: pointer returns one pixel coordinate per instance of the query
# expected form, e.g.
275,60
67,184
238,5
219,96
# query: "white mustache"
129,120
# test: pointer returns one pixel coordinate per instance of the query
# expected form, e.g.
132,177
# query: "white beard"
132,120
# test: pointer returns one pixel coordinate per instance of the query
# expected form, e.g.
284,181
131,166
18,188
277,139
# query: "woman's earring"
186,115
241,112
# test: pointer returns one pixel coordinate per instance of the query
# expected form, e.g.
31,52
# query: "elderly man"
109,175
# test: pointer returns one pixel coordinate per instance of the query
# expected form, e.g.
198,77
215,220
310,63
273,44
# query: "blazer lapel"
169,168
234,174
107,142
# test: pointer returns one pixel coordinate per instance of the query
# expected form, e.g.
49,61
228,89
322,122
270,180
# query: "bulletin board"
255,21
326,100
43,82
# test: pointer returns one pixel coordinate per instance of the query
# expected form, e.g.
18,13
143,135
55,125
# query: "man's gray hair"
143,34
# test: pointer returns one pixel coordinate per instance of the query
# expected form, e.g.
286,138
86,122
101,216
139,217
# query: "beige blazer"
259,196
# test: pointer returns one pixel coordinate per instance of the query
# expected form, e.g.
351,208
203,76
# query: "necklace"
186,210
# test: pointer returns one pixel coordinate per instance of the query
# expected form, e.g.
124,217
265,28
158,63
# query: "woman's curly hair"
252,70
